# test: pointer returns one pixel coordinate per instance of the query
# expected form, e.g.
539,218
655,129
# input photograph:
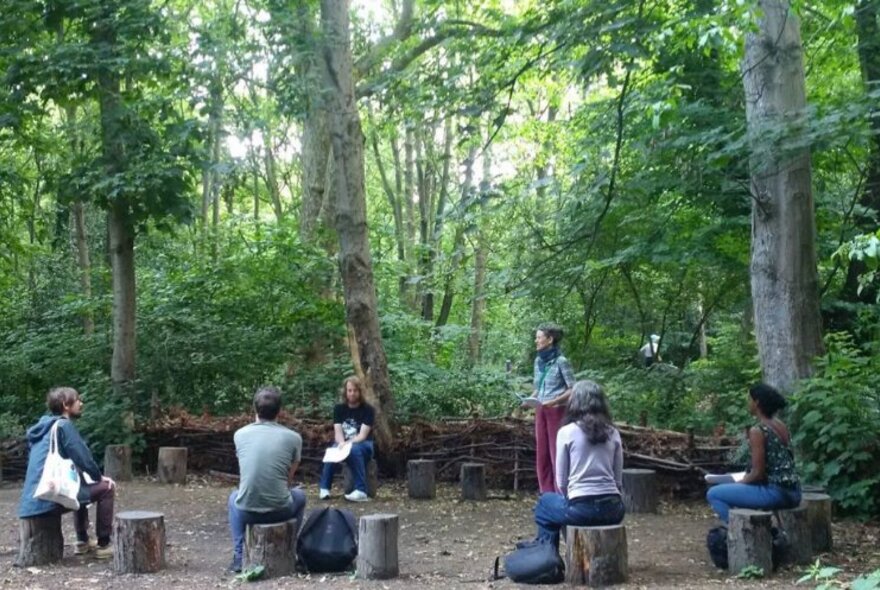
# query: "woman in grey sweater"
589,468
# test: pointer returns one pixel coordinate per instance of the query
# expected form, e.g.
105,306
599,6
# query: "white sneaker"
323,493
357,496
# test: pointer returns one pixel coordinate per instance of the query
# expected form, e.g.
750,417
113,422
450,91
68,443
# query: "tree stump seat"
420,479
596,556
117,462
797,528
40,540
171,466
377,557
749,541
640,491
473,481
273,546
818,507
138,542
372,469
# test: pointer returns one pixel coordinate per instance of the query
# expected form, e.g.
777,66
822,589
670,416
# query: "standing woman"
771,482
589,468
553,381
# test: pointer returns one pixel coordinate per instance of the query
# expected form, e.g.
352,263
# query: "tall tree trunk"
784,277
347,141
396,213
210,175
272,175
81,244
478,305
120,229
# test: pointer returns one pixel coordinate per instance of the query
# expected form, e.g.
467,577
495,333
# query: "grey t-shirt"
265,451
584,469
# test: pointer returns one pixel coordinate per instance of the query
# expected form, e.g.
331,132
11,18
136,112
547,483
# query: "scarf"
547,356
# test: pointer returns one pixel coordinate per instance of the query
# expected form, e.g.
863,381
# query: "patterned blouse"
780,460
553,378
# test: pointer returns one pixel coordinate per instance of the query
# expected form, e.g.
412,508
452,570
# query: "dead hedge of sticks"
505,445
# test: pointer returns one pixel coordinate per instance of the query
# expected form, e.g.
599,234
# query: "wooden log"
596,556
420,479
172,464
273,546
377,547
372,478
797,528
138,542
40,540
473,481
749,542
819,520
117,462
640,491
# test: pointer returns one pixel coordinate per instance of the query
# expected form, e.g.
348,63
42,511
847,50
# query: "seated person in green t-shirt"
352,424
268,455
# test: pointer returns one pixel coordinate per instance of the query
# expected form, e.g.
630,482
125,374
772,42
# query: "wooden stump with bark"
749,542
40,540
420,479
172,464
797,528
372,478
640,491
377,557
138,542
819,520
273,546
117,462
473,481
596,556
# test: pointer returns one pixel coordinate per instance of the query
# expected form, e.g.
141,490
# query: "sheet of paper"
337,454
527,400
714,478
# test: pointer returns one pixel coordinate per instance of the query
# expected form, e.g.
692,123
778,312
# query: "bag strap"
53,437
495,575
310,521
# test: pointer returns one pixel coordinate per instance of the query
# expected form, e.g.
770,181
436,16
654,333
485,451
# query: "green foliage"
828,578
252,573
834,417
751,572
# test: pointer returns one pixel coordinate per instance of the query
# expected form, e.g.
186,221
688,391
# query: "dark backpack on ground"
327,541
716,542
536,564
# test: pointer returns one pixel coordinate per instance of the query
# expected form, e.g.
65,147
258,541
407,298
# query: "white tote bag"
60,480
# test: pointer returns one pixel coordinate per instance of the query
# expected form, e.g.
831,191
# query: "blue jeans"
725,496
357,460
239,519
553,511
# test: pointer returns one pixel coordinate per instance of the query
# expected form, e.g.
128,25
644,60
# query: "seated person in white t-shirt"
352,424
268,455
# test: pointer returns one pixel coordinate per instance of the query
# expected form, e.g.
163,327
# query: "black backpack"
536,564
327,541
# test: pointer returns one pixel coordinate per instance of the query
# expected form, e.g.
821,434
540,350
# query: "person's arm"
618,463
291,473
363,434
567,374
562,463
758,472
338,437
369,418
76,450
294,459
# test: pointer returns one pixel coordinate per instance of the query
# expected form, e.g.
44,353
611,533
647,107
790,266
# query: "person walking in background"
353,421
650,351
589,468
65,406
268,456
771,483
553,379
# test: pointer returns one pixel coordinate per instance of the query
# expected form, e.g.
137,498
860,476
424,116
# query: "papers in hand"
713,478
528,401
337,454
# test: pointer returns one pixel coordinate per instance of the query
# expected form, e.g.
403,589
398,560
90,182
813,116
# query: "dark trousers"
102,496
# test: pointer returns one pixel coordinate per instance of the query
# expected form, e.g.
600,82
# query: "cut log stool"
473,481
372,478
640,490
138,542
420,479
40,540
749,542
377,547
797,528
172,464
117,462
819,520
273,546
596,556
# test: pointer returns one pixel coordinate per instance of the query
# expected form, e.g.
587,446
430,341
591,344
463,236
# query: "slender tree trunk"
784,277
478,305
347,141
396,213
272,175
81,243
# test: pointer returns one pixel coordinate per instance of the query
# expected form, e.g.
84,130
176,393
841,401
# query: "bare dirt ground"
444,543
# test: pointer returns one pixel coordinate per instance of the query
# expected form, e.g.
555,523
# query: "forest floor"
444,543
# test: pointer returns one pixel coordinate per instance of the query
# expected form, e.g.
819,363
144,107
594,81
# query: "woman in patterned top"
553,382
771,482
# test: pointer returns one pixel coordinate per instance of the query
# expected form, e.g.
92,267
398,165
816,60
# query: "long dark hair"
588,408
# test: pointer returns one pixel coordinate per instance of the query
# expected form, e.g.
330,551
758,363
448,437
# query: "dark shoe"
527,544
235,567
